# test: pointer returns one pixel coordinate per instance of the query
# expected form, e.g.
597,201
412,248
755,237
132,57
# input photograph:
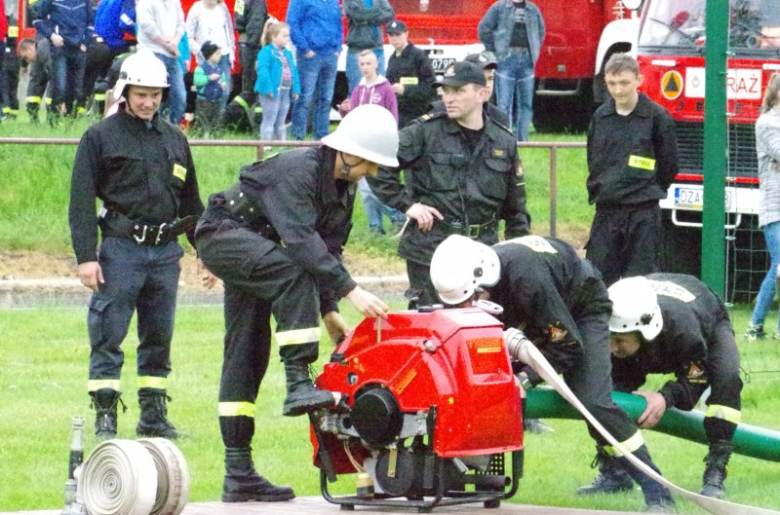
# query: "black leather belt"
471,230
146,234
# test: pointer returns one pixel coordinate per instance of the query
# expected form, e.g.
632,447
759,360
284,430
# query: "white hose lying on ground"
127,477
530,355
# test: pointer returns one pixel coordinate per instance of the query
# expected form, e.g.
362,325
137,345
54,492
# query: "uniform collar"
642,108
137,123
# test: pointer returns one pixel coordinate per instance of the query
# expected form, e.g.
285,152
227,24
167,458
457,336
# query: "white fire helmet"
142,68
635,308
460,265
369,131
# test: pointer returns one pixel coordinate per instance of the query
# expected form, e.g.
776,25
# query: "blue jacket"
269,71
114,19
495,29
315,25
208,89
71,19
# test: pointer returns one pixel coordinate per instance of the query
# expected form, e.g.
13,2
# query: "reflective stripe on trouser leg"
632,444
725,402
94,385
158,383
245,361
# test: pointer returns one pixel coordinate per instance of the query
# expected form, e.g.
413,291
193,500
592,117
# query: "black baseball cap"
462,73
482,61
396,27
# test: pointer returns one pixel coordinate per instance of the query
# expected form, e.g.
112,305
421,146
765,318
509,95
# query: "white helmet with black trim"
635,308
461,265
369,131
142,68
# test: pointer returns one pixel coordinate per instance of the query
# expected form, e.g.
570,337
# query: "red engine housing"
452,362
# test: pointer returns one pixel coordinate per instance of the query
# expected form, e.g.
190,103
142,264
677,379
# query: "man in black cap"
462,174
489,69
410,72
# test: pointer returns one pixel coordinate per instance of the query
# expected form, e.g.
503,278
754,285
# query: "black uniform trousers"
591,381
624,241
10,84
142,279
260,280
723,377
248,55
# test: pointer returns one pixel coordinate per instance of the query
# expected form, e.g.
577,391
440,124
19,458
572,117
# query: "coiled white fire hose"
127,477
522,349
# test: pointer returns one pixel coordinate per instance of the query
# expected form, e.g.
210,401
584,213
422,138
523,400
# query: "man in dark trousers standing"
632,161
249,17
674,324
462,174
276,240
561,304
67,24
410,72
141,168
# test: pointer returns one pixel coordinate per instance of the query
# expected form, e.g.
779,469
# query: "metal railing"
260,146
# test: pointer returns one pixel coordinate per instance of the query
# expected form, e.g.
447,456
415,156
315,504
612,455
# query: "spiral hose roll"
173,476
118,478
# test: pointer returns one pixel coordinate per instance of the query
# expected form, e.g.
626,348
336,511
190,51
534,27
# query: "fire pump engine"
671,57
429,411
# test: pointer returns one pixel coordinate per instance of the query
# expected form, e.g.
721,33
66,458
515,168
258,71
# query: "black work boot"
154,415
105,401
657,496
612,477
715,471
243,483
302,395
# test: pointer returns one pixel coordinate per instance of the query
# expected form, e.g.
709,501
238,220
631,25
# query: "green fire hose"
749,440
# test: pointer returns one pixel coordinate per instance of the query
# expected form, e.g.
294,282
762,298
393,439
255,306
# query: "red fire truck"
671,56
581,35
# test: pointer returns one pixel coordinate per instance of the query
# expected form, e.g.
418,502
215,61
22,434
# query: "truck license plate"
693,198
441,63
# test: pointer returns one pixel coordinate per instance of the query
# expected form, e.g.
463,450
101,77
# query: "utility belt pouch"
242,209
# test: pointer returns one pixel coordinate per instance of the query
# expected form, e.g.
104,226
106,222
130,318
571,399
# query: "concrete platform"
319,506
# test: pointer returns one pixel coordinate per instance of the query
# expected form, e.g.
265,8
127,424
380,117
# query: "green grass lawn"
44,352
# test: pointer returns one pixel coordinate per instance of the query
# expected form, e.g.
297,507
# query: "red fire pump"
429,411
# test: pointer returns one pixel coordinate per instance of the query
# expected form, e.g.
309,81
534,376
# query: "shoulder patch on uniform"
433,115
675,291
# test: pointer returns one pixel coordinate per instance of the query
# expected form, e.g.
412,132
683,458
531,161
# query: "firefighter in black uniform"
37,54
632,161
462,175
249,17
674,324
10,75
491,110
411,74
276,239
561,304
141,168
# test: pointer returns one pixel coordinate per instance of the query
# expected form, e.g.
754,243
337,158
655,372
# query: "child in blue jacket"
277,82
210,81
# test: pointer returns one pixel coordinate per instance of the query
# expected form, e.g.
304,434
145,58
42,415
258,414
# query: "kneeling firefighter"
561,304
304,198
675,324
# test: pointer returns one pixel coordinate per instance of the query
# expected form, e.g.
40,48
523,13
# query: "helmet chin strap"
347,168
